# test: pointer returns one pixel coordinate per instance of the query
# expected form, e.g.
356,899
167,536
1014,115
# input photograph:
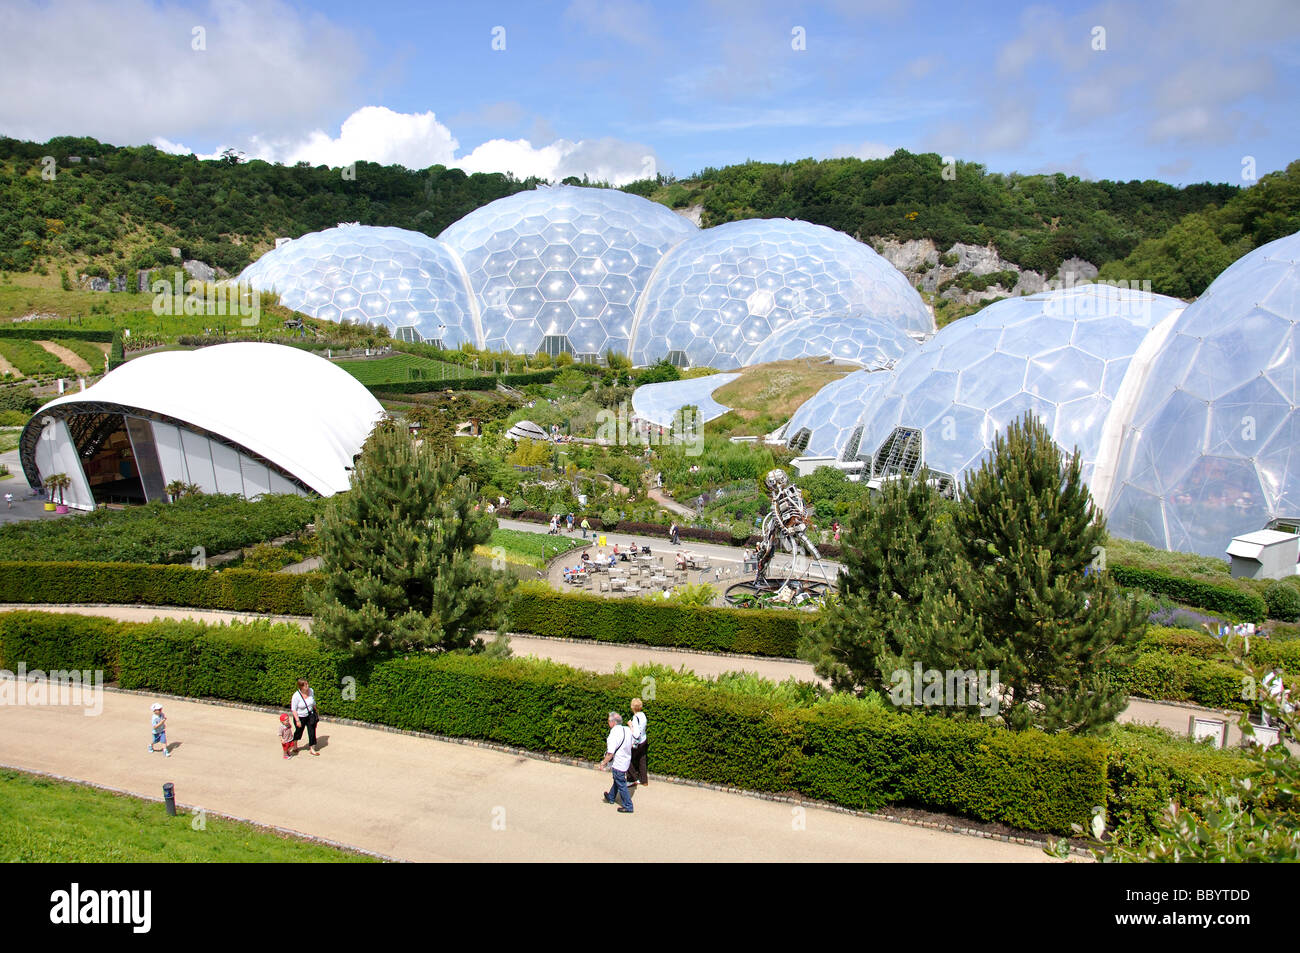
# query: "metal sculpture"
785,526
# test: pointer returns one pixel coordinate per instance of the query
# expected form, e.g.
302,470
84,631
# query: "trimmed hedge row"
47,334
645,621
465,383
1183,678
1244,606
241,590
562,615
844,751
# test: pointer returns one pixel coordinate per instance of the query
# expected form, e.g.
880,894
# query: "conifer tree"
397,552
896,604
1030,533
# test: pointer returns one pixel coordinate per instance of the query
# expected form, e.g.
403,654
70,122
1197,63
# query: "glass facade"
1060,354
723,294
824,424
563,261
368,275
1213,444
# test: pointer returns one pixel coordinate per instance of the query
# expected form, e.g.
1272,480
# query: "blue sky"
1179,91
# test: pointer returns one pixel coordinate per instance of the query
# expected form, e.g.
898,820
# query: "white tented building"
246,418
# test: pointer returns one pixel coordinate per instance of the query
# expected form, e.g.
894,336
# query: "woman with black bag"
304,714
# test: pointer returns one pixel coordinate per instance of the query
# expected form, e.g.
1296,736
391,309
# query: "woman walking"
304,715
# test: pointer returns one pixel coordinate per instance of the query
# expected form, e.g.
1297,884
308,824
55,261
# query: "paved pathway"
418,798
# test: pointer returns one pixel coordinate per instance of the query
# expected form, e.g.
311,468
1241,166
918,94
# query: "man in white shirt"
618,746
638,775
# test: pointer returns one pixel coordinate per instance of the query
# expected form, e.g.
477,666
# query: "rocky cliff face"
969,274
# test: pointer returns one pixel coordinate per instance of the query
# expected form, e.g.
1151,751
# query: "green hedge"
1183,678
1146,769
754,632
650,622
843,751
242,590
54,334
1240,605
465,383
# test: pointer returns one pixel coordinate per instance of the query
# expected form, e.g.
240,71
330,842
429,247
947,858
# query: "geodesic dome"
871,343
561,267
370,275
1213,447
1060,354
720,295
828,424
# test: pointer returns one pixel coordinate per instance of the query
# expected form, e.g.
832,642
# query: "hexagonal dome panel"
872,343
831,415
1061,354
370,275
591,251
766,274
1210,450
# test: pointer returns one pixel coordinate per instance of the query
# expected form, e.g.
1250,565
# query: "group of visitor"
626,750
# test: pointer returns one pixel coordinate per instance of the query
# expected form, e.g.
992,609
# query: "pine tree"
1030,533
397,554
896,604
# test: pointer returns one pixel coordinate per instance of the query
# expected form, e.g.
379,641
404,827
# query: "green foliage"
19,397
1030,532
159,532
240,590
397,554
117,195
832,495
657,373
1230,601
539,610
1248,813
693,595
1283,600
896,604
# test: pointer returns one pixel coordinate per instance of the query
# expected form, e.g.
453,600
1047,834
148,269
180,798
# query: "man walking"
672,535
618,746
640,745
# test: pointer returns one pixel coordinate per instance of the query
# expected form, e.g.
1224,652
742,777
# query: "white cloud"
377,134
418,140
128,71
864,150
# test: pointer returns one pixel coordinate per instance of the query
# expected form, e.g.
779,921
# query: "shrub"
1242,605
159,532
1283,601
1146,768
538,610
234,589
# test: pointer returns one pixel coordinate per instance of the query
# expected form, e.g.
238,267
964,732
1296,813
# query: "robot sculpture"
785,526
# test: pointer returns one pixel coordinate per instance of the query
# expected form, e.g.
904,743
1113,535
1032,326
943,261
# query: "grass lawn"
531,549
401,368
767,395
44,821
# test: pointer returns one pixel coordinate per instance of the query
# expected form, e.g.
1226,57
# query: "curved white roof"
285,404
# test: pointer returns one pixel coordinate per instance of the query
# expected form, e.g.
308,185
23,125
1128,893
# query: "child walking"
158,724
286,734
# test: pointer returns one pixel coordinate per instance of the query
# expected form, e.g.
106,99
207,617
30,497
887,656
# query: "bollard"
169,798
